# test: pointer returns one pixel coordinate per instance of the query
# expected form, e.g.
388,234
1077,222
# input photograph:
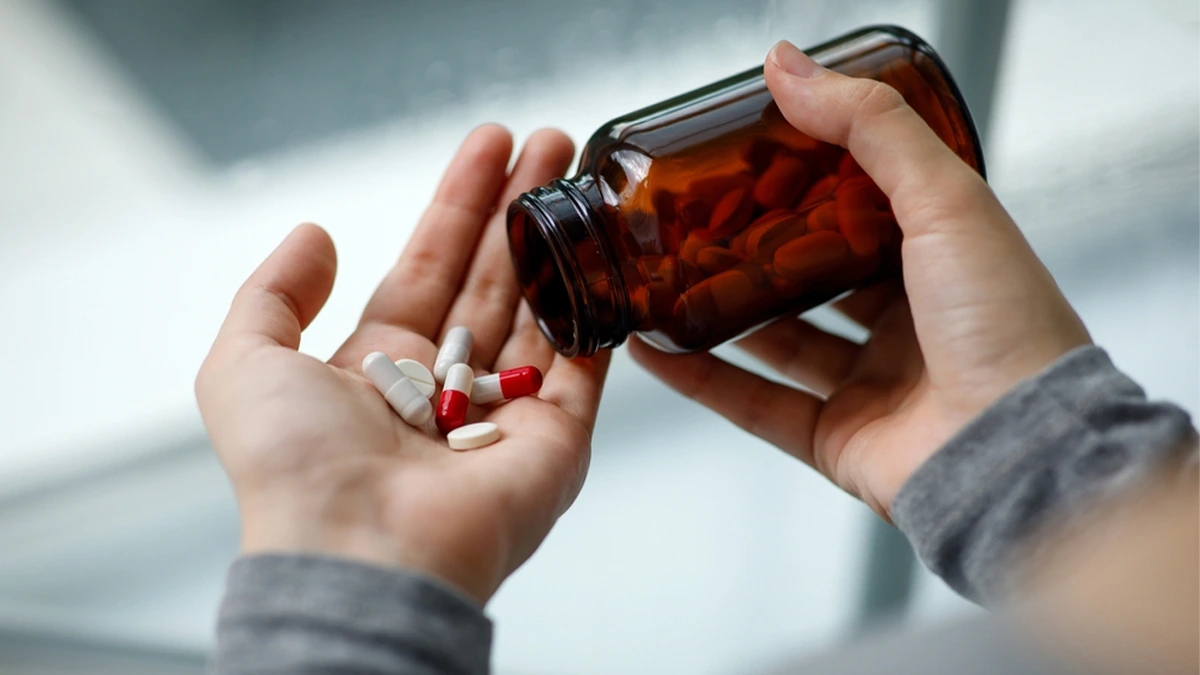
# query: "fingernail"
792,60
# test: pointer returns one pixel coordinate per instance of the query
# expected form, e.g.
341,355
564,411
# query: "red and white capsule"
456,348
456,397
507,384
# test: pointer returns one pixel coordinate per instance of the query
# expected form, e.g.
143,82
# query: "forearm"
311,614
1078,432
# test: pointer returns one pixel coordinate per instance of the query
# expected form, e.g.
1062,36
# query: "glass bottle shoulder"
684,120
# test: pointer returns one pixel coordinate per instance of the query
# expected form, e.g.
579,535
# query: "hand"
981,312
318,460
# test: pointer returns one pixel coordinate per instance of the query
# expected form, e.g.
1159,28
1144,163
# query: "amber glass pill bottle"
695,220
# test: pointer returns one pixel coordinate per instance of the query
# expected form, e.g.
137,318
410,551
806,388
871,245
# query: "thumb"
975,285
888,139
285,293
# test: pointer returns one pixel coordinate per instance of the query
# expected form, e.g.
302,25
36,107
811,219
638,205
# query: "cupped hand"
977,312
318,460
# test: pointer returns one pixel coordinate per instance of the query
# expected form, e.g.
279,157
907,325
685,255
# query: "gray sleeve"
1077,432
303,614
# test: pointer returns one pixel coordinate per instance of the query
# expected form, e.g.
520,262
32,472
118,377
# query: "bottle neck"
566,266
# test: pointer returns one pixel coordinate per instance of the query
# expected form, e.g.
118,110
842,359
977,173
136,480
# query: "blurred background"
153,151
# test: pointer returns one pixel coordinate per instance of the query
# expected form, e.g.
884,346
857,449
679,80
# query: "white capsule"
455,349
461,378
473,436
404,396
419,374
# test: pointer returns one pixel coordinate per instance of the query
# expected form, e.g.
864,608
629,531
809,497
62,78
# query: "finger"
803,353
487,302
779,415
927,183
575,385
865,307
417,291
526,345
285,293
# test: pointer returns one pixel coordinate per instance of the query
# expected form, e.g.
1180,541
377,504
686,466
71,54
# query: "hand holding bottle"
977,313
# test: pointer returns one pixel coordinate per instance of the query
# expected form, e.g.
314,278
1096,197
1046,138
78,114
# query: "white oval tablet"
419,374
473,436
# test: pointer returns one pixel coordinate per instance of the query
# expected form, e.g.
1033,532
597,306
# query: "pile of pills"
408,387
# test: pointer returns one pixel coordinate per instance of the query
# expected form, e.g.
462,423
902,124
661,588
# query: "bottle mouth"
539,264
566,268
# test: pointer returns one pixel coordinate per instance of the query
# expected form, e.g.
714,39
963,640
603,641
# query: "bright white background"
693,548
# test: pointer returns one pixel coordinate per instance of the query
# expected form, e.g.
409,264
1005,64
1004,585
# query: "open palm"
320,462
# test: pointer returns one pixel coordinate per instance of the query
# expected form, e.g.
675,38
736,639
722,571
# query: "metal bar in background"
970,40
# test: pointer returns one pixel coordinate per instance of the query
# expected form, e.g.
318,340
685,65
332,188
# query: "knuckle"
421,263
877,99
958,194
759,409
444,209
493,287
699,378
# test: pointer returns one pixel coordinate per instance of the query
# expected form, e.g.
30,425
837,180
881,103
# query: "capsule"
715,259
823,218
810,256
731,213
455,349
772,230
506,385
456,397
863,213
777,187
399,391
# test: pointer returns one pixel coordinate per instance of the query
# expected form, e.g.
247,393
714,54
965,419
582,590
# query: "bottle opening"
541,276
566,269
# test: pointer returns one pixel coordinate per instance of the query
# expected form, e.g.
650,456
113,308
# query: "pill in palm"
400,393
456,348
473,436
419,374
456,397
506,385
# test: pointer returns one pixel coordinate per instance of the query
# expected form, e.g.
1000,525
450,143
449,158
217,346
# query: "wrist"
355,531
282,524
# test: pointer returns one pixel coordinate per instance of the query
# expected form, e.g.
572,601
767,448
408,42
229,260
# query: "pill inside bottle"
695,220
